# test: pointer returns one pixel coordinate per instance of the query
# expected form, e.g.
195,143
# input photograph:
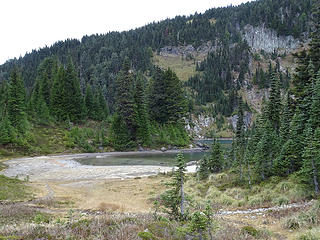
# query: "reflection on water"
156,159
224,142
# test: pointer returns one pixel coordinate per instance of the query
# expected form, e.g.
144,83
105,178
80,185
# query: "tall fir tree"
17,103
274,103
142,117
89,102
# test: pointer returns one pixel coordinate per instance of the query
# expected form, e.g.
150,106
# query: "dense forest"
285,138
112,80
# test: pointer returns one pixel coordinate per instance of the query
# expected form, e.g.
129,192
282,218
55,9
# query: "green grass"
13,189
224,190
312,234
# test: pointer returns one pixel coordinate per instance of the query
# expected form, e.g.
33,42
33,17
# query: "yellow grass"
182,67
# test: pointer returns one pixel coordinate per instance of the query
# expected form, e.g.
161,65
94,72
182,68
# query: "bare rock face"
185,50
268,40
199,125
247,119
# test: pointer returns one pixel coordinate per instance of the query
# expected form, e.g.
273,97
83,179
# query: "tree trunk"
182,197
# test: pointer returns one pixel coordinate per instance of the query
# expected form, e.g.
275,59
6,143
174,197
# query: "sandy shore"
65,167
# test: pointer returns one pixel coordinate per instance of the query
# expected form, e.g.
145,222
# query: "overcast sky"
32,24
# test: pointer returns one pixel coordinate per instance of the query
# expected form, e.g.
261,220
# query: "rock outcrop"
262,38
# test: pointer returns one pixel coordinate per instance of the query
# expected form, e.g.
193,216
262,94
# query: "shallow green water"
156,159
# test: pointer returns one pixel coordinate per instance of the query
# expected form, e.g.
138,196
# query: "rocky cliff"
262,38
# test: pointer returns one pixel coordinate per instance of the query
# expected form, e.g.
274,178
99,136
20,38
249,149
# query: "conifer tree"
311,158
103,108
314,51
7,132
125,97
315,105
274,104
89,102
240,139
142,117
16,103
175,101
56,99
215,161
157,96
73,99
174,198
285,119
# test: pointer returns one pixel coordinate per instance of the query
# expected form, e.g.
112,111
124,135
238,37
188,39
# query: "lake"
148,158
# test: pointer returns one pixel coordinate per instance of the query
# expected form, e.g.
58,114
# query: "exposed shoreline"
66,168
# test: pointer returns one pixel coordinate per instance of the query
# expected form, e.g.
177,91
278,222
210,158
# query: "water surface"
155,159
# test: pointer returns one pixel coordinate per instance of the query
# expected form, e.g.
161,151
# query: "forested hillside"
111,78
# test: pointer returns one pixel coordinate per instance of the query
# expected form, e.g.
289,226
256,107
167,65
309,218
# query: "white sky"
32,24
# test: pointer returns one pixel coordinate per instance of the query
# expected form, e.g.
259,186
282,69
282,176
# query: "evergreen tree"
215,162
56,99
315,105
314,51
285,119
103,110
157,96
174,199
89,102
240,139
125,99
73,99
274,104
175,101
142,117
16,103
311,158
7,132
203,167
167,101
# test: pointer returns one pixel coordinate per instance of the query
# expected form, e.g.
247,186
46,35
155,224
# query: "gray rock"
268,40
163,149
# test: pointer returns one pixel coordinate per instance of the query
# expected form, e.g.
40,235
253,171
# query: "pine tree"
274,104
103,110
89,102
315,105
215,162
285,119
73,99
125,99
142,117
16,103
175,101
311,158
157,96
56,99
7,132
240,139
203,167
47,71
174,199
314,51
